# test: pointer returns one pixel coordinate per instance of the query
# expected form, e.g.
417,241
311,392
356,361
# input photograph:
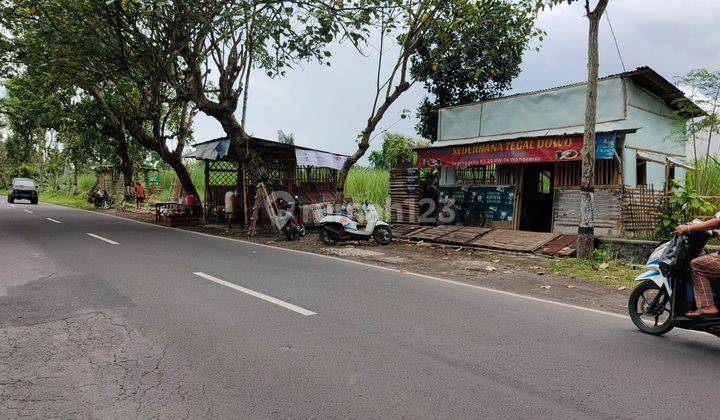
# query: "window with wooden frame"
568,174
641,171
485,175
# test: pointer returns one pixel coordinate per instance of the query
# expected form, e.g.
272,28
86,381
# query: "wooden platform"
402,230
482,237
514,240
464,235
435,232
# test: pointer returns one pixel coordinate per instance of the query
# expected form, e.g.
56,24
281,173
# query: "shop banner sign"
544,149
319,159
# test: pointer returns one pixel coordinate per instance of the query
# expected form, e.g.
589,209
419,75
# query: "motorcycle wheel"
382,235
650,318
289,232
328,237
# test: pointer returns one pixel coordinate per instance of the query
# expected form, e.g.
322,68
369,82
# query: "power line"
617,47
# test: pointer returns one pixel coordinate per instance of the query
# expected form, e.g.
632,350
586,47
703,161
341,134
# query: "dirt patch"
527,274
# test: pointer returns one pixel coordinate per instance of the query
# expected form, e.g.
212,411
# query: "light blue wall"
659,130
555,109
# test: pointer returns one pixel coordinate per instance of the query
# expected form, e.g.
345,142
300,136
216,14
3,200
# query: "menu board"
497,202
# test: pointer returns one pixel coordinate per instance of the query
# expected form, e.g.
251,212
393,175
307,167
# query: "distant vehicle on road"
23,189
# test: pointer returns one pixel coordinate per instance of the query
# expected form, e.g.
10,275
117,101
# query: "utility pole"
586,232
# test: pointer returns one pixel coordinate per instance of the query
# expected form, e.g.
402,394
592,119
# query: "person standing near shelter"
230,207
139,195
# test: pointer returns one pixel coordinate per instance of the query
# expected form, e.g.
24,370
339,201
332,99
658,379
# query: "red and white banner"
544,149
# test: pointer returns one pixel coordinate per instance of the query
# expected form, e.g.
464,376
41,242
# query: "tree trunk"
586,230
126,167
364,142
75,180
183,176
363,145
41,161
66,175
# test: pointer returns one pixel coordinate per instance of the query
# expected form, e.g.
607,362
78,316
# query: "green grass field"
362,184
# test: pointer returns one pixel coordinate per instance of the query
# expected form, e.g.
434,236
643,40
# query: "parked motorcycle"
659,303
103,200
338,227
290,218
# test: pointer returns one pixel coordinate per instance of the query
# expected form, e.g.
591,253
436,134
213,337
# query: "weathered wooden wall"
403,201
607,209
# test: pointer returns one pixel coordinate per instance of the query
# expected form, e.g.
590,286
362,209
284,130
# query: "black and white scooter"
659,303
338,227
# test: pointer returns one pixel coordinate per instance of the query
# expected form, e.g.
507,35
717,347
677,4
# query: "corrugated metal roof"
265,143
642,76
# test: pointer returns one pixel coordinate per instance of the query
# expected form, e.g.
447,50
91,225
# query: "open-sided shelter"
308,173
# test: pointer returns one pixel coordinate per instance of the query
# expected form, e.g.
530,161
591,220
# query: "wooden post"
666,187
245,194
207,192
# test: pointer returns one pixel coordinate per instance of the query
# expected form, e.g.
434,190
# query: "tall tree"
233,38
586,230
101,48
411,24
485,65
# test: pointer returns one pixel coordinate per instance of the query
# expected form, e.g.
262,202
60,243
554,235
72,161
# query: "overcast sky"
325,107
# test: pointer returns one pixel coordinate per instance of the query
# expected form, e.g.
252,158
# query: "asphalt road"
145,321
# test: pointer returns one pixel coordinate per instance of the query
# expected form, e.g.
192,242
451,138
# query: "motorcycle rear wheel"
289,232
382,235
652,320
328,237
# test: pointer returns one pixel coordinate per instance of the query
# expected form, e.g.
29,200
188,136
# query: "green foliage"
706,180
683,205
286,138
472,53
702,106
396,148
64,199
370,185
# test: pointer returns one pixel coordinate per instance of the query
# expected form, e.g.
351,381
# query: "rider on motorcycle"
704,268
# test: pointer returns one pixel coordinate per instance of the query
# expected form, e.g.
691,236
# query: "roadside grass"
68,200
368,184
605,268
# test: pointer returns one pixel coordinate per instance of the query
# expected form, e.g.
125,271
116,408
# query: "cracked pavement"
94,329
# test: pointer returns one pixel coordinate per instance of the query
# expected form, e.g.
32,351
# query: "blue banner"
605,146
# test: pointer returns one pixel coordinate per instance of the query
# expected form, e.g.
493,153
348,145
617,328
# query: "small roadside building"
308,173
519,155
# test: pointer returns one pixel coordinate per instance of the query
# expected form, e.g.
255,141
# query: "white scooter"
659,303
338,227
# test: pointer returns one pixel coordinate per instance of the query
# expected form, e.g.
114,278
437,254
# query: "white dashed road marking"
258,295
12,205
28,211
103,239
53,220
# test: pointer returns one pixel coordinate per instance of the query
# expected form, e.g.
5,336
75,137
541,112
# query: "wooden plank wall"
607,207
403,204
